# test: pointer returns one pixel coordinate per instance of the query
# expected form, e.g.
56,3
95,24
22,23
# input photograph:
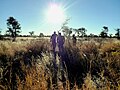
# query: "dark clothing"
74,40
53,40
60,41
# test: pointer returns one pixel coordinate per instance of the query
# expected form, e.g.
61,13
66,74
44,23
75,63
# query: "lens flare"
55,14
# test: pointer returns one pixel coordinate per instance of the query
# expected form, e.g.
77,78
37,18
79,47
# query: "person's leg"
53,46
62,49
59,50
54,52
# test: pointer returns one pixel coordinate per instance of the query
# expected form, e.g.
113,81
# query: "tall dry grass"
29,65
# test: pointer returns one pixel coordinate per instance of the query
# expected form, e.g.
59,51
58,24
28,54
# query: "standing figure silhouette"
61,54
60,41
74,40
53,40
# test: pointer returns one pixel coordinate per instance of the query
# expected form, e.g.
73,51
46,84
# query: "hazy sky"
91,14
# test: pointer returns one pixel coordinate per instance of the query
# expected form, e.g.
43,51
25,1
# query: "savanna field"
28,64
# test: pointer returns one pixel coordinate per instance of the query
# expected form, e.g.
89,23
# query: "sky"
91,14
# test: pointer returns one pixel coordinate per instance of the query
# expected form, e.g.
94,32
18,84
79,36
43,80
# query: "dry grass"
29,65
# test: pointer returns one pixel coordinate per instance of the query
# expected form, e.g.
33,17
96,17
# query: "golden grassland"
30,65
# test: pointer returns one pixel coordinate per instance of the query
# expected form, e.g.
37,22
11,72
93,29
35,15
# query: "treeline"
14,30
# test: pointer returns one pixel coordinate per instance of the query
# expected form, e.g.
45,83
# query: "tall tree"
13,27
104,32
65,29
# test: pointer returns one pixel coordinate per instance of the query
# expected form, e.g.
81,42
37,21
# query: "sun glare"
55,14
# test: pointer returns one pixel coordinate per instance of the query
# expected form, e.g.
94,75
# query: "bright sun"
55,14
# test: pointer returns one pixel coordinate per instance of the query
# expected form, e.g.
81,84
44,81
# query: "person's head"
54,32
73,35
59,34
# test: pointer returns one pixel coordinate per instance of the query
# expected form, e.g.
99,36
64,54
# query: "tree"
13,27
64,24
67,31
41,35
118,33
104,32
110,35
31,33
81,31
105,29
91,35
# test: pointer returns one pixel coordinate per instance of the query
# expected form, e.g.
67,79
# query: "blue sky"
91,14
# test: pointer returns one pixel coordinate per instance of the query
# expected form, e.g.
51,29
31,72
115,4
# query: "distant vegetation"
14,29
31,33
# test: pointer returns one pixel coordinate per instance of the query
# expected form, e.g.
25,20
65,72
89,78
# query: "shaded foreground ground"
30,65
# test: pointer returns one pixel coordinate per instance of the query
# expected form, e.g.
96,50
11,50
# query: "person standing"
60,41
74,40
61,54
53,41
